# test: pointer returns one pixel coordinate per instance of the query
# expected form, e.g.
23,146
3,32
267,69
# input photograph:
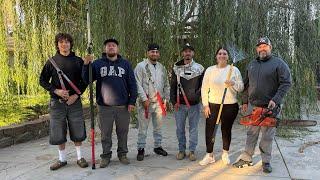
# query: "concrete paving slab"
32,160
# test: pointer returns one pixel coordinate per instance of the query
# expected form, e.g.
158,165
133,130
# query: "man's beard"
112,54
263,55
153,59
187,58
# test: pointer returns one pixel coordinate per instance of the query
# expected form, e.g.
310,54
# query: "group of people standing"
191,89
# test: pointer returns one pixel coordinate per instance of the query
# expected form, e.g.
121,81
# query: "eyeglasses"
222,53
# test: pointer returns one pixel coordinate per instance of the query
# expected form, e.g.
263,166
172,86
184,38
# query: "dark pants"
107,116
64,117
228,115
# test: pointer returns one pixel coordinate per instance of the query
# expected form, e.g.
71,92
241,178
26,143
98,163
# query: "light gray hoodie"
144,81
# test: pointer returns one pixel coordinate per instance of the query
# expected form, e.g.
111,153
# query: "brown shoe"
124,160
82,163
104,162
181,155
192,156
57,165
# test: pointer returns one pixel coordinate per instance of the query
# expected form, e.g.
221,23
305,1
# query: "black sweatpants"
228,115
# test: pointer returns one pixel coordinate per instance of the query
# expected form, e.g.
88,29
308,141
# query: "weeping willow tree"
134,25
32,40
5,71
306,53
291,26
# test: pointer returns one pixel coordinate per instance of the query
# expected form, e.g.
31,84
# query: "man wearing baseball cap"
116,93
185,95
266,82
152,81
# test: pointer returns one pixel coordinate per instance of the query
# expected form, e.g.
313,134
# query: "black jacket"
191,76
71,65
266,80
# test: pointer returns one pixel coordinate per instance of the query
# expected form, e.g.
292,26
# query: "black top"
192,87
71,65
266,80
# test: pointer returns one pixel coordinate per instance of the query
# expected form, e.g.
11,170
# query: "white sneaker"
225,158
207,159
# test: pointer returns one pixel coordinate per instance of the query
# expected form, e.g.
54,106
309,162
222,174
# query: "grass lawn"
19,109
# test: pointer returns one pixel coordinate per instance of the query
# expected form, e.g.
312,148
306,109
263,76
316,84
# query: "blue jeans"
193,115
156,117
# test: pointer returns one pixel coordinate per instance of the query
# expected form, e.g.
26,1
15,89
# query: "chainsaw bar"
291,122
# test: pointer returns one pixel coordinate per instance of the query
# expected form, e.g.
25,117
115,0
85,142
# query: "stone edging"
27,131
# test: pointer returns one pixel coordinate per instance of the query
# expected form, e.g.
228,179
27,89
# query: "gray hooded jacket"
266,80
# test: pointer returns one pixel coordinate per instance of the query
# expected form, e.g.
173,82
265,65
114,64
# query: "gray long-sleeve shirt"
145,87
266,80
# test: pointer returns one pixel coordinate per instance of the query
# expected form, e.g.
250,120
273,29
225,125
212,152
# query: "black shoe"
140,155
242,163
266,167
160,151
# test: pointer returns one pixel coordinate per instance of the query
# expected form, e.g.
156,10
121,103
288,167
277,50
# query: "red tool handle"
74,87
186,100
164,113
92,149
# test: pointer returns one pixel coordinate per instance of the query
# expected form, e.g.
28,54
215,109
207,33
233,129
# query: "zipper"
258,74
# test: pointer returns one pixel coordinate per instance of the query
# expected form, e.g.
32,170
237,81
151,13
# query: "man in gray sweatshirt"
153,93
267,81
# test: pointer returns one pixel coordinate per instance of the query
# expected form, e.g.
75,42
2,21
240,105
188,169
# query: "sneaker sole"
226,163
161,154
84,166
245,165
181,158
54,169
207,164
124,163
104,166
267,171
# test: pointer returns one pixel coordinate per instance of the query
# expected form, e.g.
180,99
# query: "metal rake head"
235,54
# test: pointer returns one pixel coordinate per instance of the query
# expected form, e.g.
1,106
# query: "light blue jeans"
193,115
156,117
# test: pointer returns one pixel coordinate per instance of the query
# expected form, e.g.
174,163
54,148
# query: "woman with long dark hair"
213,85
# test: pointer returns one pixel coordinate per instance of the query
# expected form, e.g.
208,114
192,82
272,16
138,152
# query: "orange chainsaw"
268,117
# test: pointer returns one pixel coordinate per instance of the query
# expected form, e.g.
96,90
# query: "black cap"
153,46
264,40
111,40
187,46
